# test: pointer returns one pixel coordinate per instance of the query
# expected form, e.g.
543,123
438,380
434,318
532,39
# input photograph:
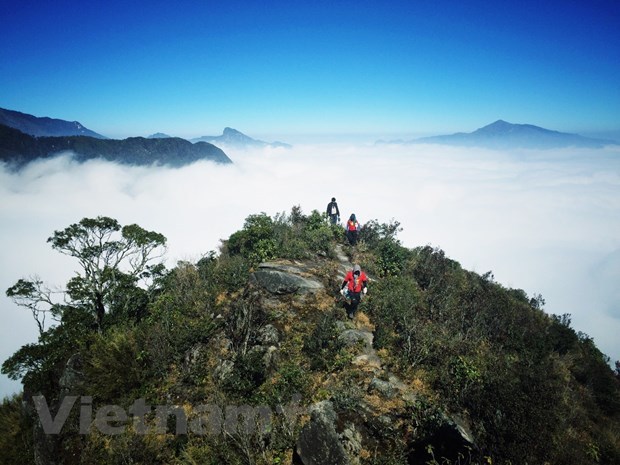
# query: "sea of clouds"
546,221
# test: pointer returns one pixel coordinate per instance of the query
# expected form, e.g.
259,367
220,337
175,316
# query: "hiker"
354,287
332,211
352,229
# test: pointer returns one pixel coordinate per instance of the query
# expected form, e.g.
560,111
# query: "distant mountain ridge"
159,135
44,126
232,138
18,149
504,135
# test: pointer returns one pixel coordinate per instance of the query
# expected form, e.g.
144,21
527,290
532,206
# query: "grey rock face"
352,443
223,370
284,279
451,439
352,336
268,335
72,377
383,388
319,443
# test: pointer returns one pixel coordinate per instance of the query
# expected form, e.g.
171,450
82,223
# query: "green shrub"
247,375
289,380
256,241
112,366
225,273
16,441
383,253
294,236
323,346
400,323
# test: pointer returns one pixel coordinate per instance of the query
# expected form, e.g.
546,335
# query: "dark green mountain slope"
18,149
252,356
46,127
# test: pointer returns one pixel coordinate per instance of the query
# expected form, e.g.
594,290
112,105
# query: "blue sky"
284,68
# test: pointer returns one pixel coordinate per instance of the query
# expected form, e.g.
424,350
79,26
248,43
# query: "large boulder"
450,441
351,337
268,335
285,278
319,443
368,356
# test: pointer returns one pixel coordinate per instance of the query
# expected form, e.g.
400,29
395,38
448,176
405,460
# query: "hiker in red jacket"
352,229
354,286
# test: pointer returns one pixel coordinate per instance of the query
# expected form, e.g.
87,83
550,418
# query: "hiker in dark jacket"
332,211
353,288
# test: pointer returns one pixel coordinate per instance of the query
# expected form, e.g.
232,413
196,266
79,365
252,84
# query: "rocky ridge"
335,436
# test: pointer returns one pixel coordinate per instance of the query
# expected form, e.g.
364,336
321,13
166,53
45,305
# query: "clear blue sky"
189,68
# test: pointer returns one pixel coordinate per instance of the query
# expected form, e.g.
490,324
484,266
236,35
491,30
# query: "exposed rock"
268,354
462,426
283,279
391,388
352,336
344,263
318,442
368,358
223,370
45,446
368,361
72,378
221,343
193,355
450,440
352,443
383,388
268,335
270,358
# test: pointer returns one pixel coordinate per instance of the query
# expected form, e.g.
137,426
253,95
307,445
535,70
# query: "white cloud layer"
547,222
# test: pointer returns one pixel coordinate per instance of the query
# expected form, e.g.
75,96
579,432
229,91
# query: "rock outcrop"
319,442
281,278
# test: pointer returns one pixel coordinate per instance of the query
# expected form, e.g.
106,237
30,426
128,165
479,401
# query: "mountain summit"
250,357
504,135
159,135
232,138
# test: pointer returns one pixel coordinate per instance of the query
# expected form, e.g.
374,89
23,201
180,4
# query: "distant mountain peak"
230,131
159,135
504,135
233,138
503,127
499,124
